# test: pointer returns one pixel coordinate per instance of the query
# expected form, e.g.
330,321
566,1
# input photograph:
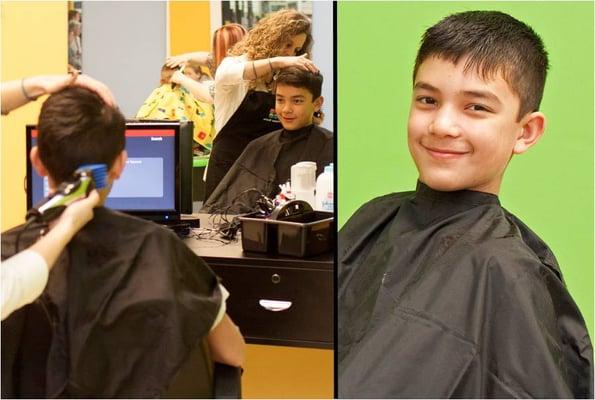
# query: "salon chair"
200,378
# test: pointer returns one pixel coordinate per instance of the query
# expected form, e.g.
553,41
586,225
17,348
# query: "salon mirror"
125,43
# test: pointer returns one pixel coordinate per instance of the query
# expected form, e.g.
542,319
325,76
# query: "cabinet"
274,299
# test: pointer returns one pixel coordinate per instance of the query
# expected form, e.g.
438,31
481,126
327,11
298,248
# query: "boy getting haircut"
442,292
132,303
266,162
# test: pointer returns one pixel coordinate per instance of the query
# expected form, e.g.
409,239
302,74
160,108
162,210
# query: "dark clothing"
124,306
255,117
447,294
266,163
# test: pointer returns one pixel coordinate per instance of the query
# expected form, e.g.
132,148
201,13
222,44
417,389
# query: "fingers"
177,77
94,85
80,212
306,64
93,198
173,62
73,74
86,204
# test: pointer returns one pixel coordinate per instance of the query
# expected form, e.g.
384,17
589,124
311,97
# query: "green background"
550,187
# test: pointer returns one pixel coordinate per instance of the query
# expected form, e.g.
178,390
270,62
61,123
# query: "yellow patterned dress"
175,102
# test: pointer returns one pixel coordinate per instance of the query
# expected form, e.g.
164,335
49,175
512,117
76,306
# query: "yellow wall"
34,42
189,26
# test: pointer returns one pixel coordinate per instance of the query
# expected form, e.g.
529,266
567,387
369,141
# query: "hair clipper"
85,179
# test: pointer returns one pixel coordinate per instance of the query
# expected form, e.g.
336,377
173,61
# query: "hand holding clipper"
85,179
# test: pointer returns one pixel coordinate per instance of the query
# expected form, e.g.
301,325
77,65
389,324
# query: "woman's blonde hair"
270,35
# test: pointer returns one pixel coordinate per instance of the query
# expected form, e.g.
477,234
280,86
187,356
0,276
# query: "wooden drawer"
307,295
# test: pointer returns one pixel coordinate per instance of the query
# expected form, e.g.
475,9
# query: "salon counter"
278,300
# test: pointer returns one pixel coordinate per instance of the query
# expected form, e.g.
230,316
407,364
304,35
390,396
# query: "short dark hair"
299,78
76,127
495,43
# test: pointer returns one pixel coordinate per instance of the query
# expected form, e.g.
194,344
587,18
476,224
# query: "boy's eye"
478,107
426,100
298,101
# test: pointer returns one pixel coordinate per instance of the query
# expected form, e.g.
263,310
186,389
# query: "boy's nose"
444,123
287,108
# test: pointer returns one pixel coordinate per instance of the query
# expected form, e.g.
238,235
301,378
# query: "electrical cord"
227,226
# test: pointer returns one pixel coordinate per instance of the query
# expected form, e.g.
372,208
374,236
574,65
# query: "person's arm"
23,278
25,275
199,90
200,57
70,222
256,69
17,93
226,343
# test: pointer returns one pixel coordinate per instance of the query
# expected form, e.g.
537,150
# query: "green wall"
550,187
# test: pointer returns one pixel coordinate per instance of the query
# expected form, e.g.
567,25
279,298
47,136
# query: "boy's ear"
532,128
36,162
318,103
118,166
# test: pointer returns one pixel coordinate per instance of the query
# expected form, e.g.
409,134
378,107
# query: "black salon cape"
449,295
266,163
128,301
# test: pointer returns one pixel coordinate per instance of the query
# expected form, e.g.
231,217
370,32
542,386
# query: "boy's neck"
298,129
494,192
103,193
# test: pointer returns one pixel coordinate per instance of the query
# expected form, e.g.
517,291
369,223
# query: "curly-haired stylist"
244,104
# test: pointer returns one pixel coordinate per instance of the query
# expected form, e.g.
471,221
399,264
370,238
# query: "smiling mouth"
444,154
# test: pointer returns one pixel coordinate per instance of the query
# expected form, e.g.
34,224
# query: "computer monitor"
156,183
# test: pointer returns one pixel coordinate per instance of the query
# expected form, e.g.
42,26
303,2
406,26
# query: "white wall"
322,54
124,46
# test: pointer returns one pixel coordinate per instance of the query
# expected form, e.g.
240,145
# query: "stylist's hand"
178,77
85,81
79,213
298,61
176,61
54,83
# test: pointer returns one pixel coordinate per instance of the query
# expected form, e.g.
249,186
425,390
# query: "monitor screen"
150,183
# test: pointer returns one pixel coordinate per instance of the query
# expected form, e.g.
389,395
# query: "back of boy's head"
495,43
299,78
76,127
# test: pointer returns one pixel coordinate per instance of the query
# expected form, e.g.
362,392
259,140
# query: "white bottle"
324,190
303,181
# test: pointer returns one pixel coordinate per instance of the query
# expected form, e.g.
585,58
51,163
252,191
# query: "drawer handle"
274,305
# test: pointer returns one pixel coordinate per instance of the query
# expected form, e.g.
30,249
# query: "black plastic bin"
303,235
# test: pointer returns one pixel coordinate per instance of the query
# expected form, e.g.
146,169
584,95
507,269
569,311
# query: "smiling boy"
266,162
442,292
